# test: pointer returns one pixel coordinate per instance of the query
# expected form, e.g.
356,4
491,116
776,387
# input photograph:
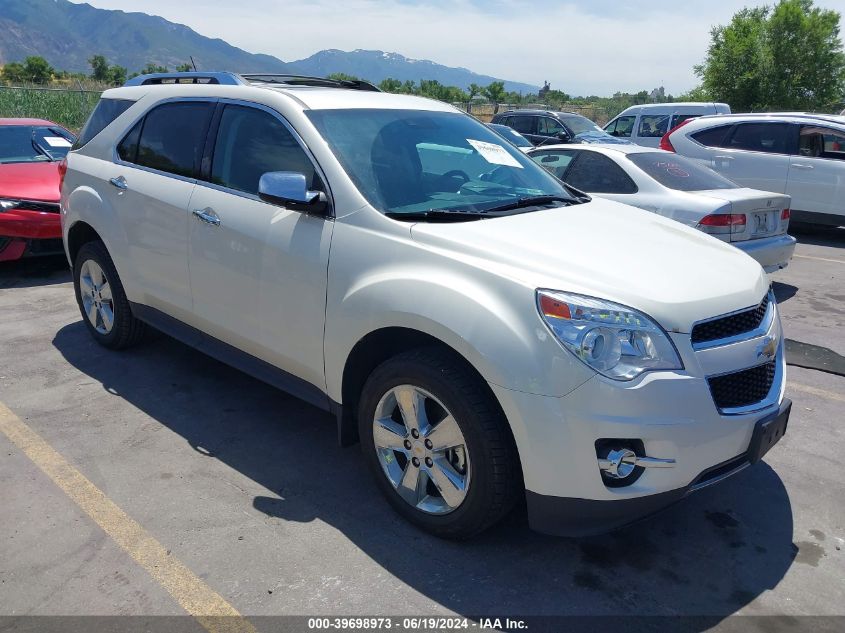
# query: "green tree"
495,93
390,85
152,67
788,57
99,68
409,87
37,70
13,73
184,68
117,75
473,91
342,77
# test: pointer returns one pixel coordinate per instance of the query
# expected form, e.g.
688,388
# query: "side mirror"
290,190
564,136
615,133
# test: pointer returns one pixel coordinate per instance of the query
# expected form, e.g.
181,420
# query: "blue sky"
579,46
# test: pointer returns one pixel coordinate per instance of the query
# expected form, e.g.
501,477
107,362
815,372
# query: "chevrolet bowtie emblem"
768,348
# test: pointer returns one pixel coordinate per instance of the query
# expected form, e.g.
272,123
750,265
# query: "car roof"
307,97
22,121
786,116
548,112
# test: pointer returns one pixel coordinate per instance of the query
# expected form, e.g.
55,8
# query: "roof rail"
214,77
304,80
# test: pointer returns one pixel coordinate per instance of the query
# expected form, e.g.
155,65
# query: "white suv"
802,155
486,332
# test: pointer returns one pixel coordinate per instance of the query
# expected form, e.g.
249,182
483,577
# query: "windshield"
32,143
679,173
416,161
579,124
511,135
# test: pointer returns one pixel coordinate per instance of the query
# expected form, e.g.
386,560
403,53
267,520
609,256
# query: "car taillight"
62,172
723,223
784,217
665,143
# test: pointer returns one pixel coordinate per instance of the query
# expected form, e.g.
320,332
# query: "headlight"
616,341
6,204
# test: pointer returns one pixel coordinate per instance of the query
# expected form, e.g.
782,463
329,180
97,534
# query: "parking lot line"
197,598
820,259
816,391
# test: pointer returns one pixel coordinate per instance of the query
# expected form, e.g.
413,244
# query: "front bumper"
672,413
564,516
25,232
772,253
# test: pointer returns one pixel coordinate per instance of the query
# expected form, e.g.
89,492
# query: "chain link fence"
67,107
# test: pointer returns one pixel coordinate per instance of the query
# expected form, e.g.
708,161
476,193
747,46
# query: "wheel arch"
79,234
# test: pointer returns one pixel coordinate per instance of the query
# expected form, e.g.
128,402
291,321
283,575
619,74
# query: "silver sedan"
682,189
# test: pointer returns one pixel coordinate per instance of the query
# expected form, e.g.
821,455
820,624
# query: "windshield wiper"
530,201
41,150
437,215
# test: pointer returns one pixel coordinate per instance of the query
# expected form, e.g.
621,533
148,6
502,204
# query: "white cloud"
579,46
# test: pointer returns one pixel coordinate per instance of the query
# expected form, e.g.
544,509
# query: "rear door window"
769,138
595,173
171,138
522,124
548,126
714,136
251,142
653,125
677,119
107,110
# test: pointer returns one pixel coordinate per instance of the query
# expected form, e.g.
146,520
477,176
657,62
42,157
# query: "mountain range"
68,34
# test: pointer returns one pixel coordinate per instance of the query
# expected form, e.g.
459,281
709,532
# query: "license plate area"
763,222
768,432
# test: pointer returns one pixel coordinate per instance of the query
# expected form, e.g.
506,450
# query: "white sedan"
682,189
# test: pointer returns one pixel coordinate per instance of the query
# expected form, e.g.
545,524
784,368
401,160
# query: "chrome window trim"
760,330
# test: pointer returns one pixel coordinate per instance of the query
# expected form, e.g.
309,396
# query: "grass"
69,108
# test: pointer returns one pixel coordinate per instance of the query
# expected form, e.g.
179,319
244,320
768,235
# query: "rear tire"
453,407
101,299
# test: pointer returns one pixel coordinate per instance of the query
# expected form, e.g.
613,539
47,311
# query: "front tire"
102,301
438,444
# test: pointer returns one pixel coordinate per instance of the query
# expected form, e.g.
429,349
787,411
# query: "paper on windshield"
493,153
56,141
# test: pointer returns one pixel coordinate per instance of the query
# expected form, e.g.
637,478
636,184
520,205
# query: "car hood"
30,181
672,272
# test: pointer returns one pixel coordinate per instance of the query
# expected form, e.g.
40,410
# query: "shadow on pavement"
708,556
35,271
818,235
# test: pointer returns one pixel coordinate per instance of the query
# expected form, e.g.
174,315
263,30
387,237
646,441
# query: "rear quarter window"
107,110
679,173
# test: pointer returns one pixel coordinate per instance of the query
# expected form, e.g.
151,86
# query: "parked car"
30,155
646,124
679,188
512,135
485,331
802,155
545,127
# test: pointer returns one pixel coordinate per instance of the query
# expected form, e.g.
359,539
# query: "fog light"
622,462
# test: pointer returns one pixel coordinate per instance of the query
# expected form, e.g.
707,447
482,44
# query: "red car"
31,151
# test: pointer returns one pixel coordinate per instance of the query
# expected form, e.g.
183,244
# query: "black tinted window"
128,148
556,161
251,142
772,138
107,110
522,124
173,136
595,173
678,172
677,119
714,136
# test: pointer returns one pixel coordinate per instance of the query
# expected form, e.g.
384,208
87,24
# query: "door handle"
208,216
801,166
119,182
723,157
